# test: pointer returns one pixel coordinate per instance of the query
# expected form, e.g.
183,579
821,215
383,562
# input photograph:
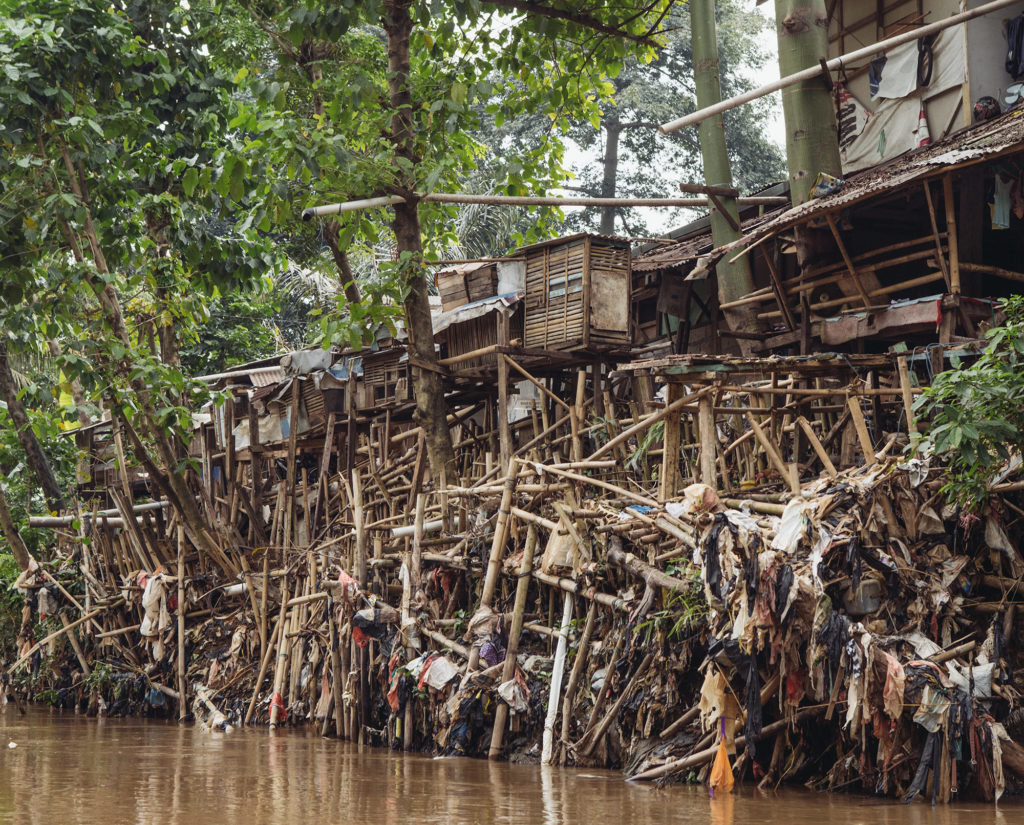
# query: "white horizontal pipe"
832,65
540,200
428,527
350,206
530,200
410,529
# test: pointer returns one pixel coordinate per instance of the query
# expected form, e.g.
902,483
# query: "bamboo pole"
282,655
582,655
816,445
515,631
275,641
58,633
556,681
835,64
706,755
649,421
337,677
861,427
75,646
517,200
359,518
183,704
594,737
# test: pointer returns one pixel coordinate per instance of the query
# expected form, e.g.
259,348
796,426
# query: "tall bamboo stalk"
734,279
812,142
509,671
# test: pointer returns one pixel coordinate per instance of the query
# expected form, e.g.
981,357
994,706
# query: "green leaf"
189,181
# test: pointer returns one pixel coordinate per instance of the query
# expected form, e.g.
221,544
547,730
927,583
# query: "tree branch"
580,18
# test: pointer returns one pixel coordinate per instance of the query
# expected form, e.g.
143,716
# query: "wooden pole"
183,704
708,441
582,655
501,529
515,631
547,743
860,425
905,391
951,235
275,640
360,525
282,655
668,483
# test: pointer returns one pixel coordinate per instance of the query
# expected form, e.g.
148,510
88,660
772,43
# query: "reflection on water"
69,770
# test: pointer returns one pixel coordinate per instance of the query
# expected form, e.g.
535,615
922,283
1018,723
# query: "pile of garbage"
854,630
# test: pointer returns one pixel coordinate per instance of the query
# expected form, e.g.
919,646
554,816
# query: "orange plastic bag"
721,772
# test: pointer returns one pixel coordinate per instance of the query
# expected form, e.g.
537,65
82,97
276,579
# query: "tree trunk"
734,279
26,435
613,129
10,531
172,482
166,333
812,143
426,373
347,279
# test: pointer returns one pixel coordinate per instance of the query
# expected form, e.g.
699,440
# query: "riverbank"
81,771
837,620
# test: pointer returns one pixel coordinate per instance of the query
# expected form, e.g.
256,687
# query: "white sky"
662,221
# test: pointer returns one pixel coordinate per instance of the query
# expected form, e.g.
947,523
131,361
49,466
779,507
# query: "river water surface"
69,770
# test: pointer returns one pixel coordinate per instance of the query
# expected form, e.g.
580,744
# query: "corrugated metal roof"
464,269
258,376
570,239
979,142
468,312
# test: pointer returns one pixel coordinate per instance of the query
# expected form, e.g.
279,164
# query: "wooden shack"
577,294
386,380
479,328
465,283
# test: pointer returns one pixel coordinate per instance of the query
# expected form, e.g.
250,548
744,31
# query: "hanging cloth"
1015,46
721,772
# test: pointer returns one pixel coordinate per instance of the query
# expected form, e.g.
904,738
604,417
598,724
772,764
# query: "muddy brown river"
69,770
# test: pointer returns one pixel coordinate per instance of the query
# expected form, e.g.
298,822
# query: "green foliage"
241,327
977,411
119,172
682,612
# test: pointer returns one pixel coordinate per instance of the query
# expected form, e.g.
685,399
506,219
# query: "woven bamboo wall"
577,295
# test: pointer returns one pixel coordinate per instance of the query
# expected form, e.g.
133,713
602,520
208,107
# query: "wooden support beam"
905,391
951,239
668,483
778,289
935,233
536,382
708,441
846,259
861,427
773,455
817,446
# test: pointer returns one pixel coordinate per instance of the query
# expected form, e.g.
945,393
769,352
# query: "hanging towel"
1001,203
1015,46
